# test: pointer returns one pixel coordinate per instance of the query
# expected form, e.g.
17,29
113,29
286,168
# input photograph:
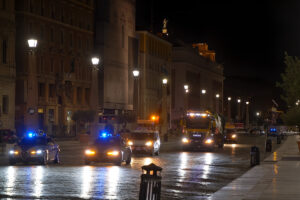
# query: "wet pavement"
185,175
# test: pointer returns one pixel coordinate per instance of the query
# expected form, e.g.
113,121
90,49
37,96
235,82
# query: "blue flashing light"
31,134
273,130
104,134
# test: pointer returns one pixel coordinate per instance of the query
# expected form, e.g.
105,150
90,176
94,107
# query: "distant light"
186,87
247,102
165,81
104,135
95,60
217,96
32,43
229,98
257,113
239,100
136,73
203,91
30,134
187,91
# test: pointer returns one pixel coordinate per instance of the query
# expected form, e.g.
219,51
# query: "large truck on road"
202,129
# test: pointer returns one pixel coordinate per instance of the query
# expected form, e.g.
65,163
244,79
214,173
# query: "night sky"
249,37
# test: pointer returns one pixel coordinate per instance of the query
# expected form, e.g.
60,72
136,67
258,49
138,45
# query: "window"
4,51
61,67
87,96
41,68
61,37
5,104
41,90
51,90
52,66
3,4
51,35
79,42
79,95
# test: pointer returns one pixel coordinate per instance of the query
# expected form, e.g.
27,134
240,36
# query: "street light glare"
187,91
257,113
217,95
247,102
136,72
203,91
229,98
239,100
32,43
165,81
95,61
186,87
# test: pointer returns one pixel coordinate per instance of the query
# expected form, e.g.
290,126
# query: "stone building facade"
117,46
55,79
155,63
7,64
203,76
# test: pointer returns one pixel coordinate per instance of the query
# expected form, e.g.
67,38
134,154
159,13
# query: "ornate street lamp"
165,81
229,98
32,43
217,96
203,91
136,73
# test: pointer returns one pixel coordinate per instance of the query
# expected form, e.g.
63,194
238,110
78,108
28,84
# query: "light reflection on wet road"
186,175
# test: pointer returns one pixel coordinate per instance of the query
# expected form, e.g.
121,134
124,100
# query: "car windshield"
34,141
108,141
141,136
197,123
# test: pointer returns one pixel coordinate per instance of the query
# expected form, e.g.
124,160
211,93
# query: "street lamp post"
94,92
187,90
247,114
31,117
136,74
229,109
239,109
164,130
217,103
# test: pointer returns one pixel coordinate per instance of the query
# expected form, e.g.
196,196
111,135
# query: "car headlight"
130,143
90,152
209,141
233,136
149,143
39,151
185,140
112,153
36,152
12,152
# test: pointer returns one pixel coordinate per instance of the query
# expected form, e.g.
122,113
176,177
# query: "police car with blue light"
34,147
108,148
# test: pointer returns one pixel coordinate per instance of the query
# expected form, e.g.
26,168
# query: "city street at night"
185,175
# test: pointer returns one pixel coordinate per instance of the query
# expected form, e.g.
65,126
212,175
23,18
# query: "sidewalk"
277,177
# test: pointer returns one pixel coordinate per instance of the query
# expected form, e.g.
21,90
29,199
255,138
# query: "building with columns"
54,80
155,62
203,76
7,64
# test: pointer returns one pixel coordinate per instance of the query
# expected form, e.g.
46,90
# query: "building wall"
155,64
61,60
7,65
116,44
199,73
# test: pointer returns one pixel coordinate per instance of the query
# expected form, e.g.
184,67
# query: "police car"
35,147
108,148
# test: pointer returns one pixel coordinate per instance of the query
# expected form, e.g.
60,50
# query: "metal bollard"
150,182
278,139
269,145
254,156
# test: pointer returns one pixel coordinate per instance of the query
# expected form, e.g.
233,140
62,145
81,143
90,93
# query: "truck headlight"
149,143
209,141
185,140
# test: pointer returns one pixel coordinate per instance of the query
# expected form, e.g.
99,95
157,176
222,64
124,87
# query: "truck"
202,129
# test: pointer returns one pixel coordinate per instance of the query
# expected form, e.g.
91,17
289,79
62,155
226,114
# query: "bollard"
278,139
150,182
269,145
254,156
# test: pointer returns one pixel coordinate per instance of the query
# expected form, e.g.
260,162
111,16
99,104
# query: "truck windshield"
197,123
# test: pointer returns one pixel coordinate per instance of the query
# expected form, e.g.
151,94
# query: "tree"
290,81
291,87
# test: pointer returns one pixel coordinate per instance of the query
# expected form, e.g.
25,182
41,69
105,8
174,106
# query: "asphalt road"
185,175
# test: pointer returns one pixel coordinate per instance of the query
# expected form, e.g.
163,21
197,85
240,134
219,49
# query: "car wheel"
12,162
44,160
128,161
56,159
87,162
